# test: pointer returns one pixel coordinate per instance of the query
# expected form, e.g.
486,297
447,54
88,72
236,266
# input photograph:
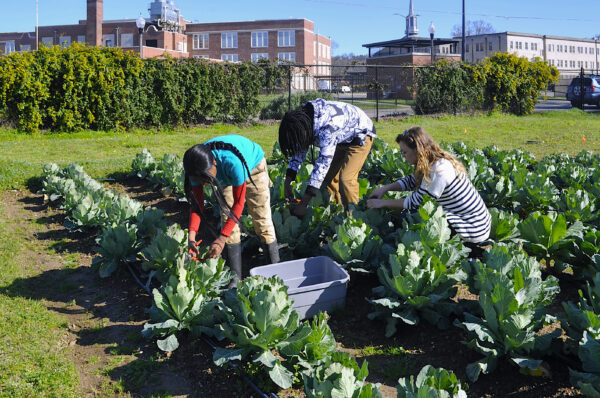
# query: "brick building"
167,32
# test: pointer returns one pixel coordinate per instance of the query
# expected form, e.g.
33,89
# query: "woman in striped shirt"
442,177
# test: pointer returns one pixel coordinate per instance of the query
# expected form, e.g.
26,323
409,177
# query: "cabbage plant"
258,316
431,382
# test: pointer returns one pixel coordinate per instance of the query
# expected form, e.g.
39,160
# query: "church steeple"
411,22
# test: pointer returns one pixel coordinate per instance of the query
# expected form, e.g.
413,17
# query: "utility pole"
36,24
464,35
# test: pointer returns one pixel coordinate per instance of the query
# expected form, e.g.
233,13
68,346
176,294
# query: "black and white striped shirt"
465,211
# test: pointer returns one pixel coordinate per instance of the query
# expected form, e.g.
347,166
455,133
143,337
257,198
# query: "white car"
345,89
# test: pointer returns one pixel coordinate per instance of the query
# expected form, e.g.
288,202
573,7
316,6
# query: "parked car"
591,86
345,89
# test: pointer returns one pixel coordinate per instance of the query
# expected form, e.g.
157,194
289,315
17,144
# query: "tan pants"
342,178
258,203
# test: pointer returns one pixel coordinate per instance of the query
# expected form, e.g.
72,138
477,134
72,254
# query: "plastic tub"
315,284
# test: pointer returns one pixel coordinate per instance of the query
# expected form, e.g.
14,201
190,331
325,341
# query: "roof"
412,42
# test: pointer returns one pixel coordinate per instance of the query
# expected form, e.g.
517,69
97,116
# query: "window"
127,40
511,45
256,56
229,40
287,57
526,45
64,41
81,39
466,48
48,41
200,41
201,56
25,47
260,39
108,40
229,57
286,38
9,46
490,46
315,49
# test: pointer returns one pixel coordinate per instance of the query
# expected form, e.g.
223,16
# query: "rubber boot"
273,249
234,259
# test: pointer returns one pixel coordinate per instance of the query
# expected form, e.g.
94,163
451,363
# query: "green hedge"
279,105
79,87
502,82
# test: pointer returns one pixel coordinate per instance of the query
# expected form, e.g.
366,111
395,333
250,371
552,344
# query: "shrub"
79,87
279,105
448,87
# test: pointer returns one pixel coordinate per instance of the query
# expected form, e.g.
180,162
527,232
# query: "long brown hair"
428,152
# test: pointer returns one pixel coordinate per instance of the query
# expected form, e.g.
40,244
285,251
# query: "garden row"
257,317
543,211
419,264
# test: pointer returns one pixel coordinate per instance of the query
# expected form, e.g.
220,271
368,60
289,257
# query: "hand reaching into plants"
298,210
216,247
375,203
378,193
192,248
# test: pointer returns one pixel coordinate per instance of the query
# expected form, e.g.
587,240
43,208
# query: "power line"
345,3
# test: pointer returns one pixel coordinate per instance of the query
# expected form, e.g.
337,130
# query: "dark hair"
296,130
197,162
408,137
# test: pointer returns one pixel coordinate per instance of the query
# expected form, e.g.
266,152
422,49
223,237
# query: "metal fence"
380,90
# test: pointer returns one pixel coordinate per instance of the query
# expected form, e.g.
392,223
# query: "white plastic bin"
315,284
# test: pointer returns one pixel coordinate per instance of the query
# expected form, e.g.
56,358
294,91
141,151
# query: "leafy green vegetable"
340,377
165,246
504,226
431,382
118,245
414,285
258,315
181,303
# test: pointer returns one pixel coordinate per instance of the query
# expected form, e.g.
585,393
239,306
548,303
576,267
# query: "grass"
33,362
105,153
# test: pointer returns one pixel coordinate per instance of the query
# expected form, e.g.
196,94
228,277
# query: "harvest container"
315,284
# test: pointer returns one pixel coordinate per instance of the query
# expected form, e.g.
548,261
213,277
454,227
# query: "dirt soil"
105,317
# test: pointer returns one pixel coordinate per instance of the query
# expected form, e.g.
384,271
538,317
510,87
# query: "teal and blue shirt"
230,170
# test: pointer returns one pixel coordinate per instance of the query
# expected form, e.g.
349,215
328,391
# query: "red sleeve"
198,193
239,200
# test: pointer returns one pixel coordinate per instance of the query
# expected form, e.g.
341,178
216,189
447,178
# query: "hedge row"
503,82
79,87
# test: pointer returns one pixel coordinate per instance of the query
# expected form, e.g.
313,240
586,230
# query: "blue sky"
350,23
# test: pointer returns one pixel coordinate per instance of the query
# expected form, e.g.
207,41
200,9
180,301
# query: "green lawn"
103,153
33,356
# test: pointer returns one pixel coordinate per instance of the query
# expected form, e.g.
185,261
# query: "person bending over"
442,177
344,135
236,170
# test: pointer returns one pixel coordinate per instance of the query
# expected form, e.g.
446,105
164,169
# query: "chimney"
95,16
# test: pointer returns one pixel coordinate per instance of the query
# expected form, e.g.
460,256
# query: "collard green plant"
167,245
548,237
258,316
356,247
310,346
340,376
143,164
504,226
117,245
431,382
577,205
183,302
512,299
414,285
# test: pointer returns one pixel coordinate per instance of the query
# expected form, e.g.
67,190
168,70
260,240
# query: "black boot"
234,259
273,252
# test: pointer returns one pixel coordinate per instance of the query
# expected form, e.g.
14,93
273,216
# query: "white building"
568,54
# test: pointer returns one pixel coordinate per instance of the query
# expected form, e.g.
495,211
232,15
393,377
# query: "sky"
349,23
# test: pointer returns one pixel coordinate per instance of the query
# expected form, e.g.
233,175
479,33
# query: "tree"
478,27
